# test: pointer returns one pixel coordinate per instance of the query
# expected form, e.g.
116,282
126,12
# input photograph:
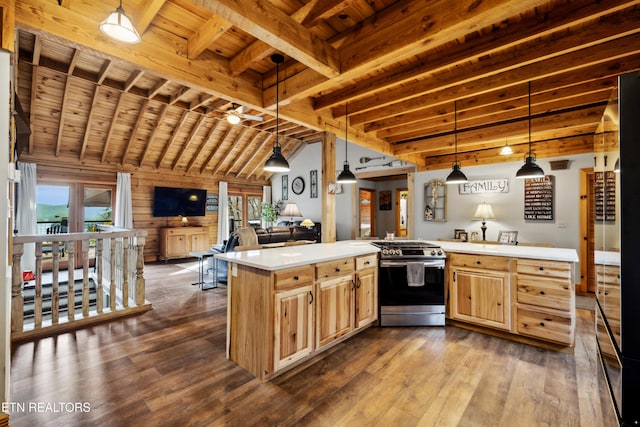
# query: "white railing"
108,284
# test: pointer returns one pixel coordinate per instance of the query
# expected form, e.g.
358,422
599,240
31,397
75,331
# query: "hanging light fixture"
456,176
530,169
616,167
506,150
346,176
118,26
277,162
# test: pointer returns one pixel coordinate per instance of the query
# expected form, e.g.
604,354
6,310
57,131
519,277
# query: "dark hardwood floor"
168,368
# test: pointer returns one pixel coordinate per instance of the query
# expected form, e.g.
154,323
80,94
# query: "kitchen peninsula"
518,292
285,305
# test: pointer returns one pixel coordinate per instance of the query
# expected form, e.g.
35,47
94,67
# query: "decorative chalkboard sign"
605,196
538,198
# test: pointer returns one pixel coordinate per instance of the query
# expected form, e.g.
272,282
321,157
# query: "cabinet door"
334,316
293,338
481,297
366,297
177,245
199,242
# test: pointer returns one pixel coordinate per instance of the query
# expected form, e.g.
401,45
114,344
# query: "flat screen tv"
169,201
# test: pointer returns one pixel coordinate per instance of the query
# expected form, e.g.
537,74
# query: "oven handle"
436,263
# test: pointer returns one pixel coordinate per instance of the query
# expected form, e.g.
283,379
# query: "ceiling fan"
236,113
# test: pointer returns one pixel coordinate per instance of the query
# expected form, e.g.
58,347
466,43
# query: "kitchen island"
524,293
286,305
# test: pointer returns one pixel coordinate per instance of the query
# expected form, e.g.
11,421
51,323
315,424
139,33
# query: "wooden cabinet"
293,316
545,300
179,241
479,294
608,293
366,292
281,318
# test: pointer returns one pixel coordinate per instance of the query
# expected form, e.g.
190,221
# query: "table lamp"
307,223
291,210
483,213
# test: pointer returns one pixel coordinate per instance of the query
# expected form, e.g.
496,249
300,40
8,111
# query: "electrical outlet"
562,224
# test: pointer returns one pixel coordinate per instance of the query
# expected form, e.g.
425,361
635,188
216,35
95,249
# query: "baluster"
99,275
17,299
85,278
55,280
125,272
140,241
37,303
71,291
112,276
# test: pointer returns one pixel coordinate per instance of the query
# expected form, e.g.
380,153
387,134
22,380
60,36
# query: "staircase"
63,298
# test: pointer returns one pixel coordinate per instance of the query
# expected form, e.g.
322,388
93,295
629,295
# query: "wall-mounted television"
169,201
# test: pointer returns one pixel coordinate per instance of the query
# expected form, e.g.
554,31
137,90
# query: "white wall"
509,207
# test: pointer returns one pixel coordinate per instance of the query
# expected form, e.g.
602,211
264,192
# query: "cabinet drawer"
546,324
334,268
366,261
481,261
551,293
285,279
609,274
540,267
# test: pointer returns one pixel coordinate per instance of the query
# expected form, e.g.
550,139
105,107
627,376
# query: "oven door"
394,290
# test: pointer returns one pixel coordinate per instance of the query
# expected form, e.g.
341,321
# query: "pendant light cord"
529,90
277,100
346,130
455,129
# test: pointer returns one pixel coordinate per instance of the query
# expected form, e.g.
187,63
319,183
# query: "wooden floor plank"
168,367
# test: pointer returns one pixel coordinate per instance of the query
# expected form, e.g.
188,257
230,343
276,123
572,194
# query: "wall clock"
297,185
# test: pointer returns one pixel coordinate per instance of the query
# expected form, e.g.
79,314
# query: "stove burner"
409,249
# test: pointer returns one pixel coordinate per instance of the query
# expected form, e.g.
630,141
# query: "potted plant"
269,213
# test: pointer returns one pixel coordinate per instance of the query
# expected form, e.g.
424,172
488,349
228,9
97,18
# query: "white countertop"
295,256
535,252
607,257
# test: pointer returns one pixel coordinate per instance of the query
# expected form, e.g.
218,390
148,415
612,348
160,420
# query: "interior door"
402,211
367,213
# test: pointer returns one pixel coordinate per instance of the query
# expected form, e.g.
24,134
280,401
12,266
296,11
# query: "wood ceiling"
401,67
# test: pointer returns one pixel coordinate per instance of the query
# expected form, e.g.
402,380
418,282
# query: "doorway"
402,211
367,213
587,232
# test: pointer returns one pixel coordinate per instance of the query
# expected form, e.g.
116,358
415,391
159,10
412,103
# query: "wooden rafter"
174,136
134,132
211,155
87,131
242,155
255,153
206,35
132,80
151,140
107,141
189,141
205,142
144,14
226,151
63,110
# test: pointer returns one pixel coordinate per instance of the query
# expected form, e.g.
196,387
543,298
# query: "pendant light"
456,176
118,26
506,150
277,162
530,169
346,176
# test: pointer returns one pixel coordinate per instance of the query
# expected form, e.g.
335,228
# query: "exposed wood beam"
87,131
157,88
202,99
73,62
37,50
144,14
161,116
205,142
34,95
175,97
176,131
226,155
206,35
107,141
134,132
211,155
241,157
132,80
8,21
324,9
255,153
104,70
63,110
188,141
266,22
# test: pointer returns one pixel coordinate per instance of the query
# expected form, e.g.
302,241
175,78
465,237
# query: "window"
245,208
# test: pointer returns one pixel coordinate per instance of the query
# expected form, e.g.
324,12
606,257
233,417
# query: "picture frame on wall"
384,201
285,187
457,233
313,184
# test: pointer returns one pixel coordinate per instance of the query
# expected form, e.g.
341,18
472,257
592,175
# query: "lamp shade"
456,176
291,210
277,162
346,176
118,26
506,150
483,212
530,169
307,223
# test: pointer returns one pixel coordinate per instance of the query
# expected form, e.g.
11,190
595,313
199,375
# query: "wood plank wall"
142,184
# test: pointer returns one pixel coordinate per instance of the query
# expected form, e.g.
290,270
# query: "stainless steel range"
411,283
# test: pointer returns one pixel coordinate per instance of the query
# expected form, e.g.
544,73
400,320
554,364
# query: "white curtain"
266,198
124,209
26,218
223,213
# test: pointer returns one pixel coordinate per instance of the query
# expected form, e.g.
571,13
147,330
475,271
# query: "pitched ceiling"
400,66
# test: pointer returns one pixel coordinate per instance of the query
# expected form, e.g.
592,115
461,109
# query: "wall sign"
212,202
500,185
538,198
605,196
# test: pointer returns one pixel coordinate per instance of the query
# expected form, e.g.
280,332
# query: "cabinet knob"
478,262
367,263
541,292
541,323
296,278
337,270
541,268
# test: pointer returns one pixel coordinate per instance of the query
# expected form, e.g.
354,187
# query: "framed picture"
384,201
458,232
463,236
334,188
508,237
313,184
285,187
474,235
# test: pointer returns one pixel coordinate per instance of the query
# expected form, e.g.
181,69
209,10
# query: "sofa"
274,234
